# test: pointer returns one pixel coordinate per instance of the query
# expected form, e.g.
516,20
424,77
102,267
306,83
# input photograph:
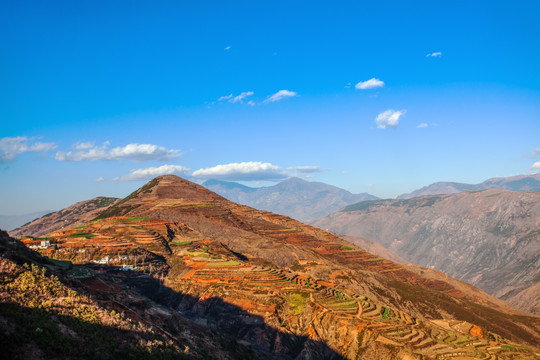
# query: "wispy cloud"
238,98
135,152
225,97
369,84
244,171
422,125
389,119
305,169
10,147
152,172
227,48
100,179
280,95
434,54
241,97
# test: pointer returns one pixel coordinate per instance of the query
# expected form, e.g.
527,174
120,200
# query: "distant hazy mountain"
10,222
513,183
73,215
489,238
294,197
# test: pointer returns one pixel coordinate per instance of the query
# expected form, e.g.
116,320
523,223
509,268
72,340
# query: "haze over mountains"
513,183
10,222
300,199
257,283
489,238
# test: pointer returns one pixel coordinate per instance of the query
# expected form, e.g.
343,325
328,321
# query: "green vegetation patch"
179,243
64,265
297,302
138,218
82,234
199,254
345,247
385,312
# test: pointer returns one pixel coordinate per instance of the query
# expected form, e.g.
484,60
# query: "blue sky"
381,97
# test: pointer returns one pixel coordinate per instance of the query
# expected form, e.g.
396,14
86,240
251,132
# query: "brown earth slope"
74,215
282,288
490,238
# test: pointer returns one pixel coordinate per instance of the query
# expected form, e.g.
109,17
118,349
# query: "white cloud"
244,171
536,151
422,125
369,84
434,54
100,179
280,95
238,98
227,48
152,172
535,168
305,169
136,152
389,119
241,97
84,145
226,97
10,147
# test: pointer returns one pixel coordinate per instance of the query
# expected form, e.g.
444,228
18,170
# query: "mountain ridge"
294,197
512,183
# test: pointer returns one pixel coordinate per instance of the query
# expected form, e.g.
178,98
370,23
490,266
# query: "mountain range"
300,199
512,183
181,271
488,238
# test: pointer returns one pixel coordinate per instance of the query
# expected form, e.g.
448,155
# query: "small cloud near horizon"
535,168
389,118
11,147
134,151
280,95
227,48
305,169
369,84
152,172
434,54
243,171
100,179
422,125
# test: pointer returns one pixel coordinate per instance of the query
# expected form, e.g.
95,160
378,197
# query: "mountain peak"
162,189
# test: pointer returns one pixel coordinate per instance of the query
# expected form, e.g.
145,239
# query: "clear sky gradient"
382,97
